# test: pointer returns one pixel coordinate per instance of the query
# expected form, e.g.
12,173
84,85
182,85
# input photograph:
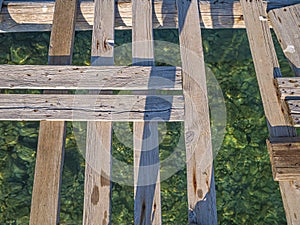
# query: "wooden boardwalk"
100,107
282,144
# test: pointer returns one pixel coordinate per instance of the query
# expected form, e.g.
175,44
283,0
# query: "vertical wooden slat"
97,190
267,67
201,189
1,2
49,161
147,207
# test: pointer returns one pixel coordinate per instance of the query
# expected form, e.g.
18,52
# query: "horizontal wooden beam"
285,158
90,77
16,107
38,16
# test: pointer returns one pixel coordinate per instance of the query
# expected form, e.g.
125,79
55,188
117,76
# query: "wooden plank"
62,34
97,174
91,107
201,194
51,134
285,21
99,134
267,67
147,200
38,16
47,177
285,158
90,77
288,86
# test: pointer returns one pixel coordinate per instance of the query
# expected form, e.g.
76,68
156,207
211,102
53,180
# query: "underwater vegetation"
246,192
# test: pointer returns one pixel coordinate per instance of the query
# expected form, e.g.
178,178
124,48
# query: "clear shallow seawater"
246,193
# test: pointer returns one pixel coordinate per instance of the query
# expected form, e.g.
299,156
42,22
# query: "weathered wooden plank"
62,34
267,67
51,135
37,16
90,77
99,134
288,86
97,174
285,158
201,194
147,201
45,193
286,21
91,107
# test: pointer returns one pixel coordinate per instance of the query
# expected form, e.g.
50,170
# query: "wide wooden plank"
285,21
285,158
201,194
90,77
37,16
51,134
99,134
266,67
147,200
91,107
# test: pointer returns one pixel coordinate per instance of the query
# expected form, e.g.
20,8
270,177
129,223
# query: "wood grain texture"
266,66
288,86
99,134
62,33
147,200
47,176
286,22
37,16
142,33
45,198
90,77
97,205
91,107
285,158
201,194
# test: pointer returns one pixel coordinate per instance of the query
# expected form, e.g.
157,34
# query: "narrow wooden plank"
99,134
52,134
38,16
201,194
267,67
91,107
147,201
45,201
285,158
62,34
97,209
90,77
286,21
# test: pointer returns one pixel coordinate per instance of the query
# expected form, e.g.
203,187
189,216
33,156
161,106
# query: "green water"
246,193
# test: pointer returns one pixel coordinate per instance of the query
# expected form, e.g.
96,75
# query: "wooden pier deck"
280,95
